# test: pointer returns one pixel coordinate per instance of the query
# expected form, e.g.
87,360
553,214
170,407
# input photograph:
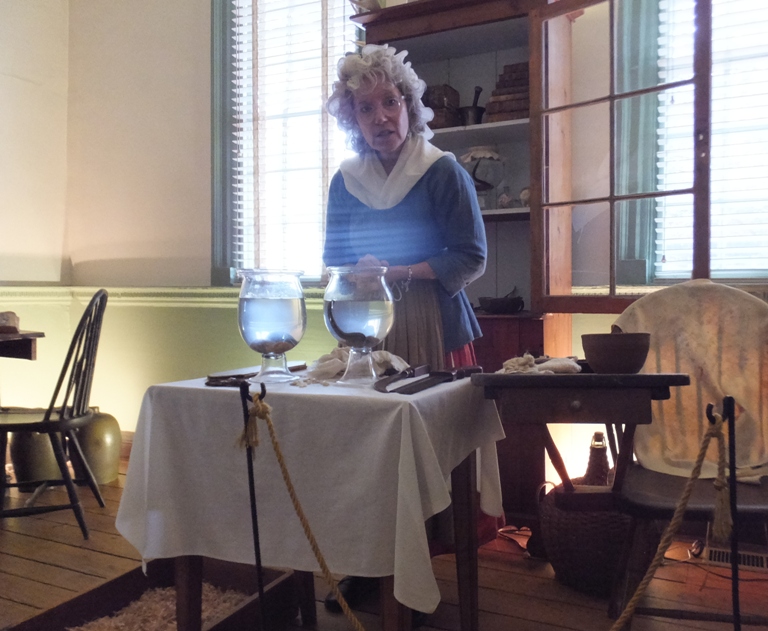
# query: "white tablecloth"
369,468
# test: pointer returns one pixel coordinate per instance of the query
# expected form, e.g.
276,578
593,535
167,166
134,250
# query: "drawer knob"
575,405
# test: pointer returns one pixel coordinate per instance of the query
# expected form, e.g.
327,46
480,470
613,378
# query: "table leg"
189,593
465,507
305,585
397,617
394,615
3,450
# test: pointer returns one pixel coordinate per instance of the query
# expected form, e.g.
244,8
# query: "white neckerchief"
365,178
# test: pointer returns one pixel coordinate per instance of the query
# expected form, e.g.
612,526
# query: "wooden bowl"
616,353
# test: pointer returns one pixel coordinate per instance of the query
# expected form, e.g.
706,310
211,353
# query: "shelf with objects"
502,189
477,85
470,72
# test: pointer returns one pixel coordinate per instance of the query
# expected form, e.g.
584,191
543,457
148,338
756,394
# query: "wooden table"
21,345
368,468
617,401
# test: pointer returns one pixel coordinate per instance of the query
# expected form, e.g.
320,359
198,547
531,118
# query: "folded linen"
542,365
331,366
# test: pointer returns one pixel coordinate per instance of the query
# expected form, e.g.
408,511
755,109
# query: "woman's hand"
395,273
371,261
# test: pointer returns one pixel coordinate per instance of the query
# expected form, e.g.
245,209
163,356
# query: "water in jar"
272,325
359,323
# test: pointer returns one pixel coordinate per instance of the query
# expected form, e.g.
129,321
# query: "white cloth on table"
718,335
369,468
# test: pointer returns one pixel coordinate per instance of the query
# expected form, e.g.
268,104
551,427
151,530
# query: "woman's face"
382,115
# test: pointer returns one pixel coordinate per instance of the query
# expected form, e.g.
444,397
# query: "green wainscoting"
155,335
150,335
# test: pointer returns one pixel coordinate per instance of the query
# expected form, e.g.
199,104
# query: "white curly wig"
377,64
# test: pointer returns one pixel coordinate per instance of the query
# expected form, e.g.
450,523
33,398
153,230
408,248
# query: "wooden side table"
530,402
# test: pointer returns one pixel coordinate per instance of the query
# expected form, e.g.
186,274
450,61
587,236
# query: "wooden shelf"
465,41
506,214
451,138
425,17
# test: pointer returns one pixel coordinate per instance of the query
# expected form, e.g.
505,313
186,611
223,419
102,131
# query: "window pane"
591,248
636,144
674,237
676,33
577,57
739,240
675,139
288,225
634,243
578,240
591,53
578,171
637,34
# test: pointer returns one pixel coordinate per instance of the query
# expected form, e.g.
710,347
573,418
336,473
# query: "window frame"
553,259
222,159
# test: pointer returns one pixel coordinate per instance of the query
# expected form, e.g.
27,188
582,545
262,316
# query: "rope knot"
250,435
719,484
715,428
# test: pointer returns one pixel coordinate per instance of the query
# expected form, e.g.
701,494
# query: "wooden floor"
44,561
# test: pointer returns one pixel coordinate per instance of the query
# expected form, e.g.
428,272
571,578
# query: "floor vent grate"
750,557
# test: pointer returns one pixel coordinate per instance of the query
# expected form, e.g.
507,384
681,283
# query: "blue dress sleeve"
458,216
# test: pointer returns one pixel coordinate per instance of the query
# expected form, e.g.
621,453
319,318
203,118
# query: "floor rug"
156,610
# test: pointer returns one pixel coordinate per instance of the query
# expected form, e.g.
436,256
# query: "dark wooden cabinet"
507,336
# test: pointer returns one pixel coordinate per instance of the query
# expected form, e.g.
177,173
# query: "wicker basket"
584,547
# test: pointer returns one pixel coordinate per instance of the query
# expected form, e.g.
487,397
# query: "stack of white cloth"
541,365
331,366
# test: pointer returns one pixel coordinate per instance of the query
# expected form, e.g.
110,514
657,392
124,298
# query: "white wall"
139,192
33,137
105,142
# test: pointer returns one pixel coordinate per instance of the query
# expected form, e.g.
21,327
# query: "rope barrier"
250,438
722,520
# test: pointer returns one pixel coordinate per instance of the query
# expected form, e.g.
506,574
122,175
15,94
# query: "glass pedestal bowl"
272,317
359,313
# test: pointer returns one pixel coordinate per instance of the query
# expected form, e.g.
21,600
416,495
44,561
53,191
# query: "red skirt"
464,356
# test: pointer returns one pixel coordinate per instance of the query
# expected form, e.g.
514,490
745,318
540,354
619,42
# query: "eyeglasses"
390,105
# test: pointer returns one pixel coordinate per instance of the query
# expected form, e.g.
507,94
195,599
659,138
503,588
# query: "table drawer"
575,405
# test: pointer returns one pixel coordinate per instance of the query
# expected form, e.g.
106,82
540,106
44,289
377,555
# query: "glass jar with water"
358,312
273,317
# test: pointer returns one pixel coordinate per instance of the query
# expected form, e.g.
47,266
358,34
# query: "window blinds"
739,160
286,146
